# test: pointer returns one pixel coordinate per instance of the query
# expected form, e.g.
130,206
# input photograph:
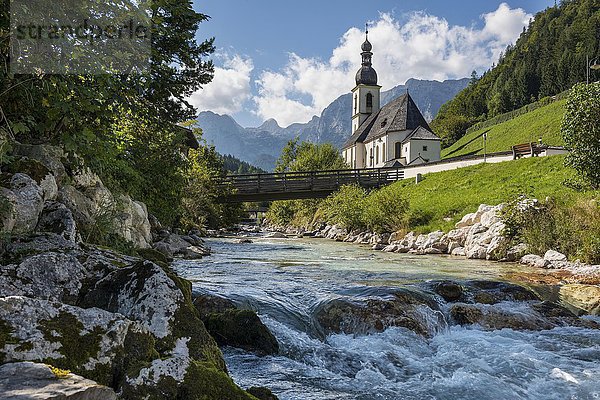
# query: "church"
393,136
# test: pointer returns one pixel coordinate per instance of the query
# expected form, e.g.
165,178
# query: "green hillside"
543,122
443,198
548,58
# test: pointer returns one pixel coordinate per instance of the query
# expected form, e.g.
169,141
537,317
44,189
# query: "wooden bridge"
302,185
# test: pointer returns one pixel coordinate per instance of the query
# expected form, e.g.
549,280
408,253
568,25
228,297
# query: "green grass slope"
544,122
442,198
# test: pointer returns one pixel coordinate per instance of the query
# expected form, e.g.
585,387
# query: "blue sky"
289,59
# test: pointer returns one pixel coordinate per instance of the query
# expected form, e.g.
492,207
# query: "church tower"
366,94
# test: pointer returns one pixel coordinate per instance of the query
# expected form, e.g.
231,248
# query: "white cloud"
422,46
229,89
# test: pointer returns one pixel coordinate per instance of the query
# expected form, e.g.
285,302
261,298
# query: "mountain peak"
270,125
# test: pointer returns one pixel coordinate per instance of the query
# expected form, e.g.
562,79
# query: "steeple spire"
366,75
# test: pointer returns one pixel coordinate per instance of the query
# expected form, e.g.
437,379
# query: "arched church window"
377,155
369,101
397,150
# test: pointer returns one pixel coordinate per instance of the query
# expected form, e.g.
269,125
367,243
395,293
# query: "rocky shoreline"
84,322
477,236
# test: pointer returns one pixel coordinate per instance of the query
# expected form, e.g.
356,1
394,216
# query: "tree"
548,58
78,111
309,157
581,131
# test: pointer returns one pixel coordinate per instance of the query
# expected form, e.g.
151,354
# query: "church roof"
422,134
400,115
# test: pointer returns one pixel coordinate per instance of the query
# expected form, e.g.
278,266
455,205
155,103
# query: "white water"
286,280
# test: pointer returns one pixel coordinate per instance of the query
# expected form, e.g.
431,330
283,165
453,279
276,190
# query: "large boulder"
242,329
234,327
134,223
408,309
93,343
582,297
535,261
480,291
188,247
162,303
26,201
494,318
95,209
27,380
49,156
57,218
554,256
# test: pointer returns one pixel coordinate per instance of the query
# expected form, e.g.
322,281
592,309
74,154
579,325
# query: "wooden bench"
526,149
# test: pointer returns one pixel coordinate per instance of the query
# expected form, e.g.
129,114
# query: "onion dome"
366,75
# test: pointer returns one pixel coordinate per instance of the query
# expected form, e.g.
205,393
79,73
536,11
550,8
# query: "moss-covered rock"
242,329
262,393
162,302
94,343
153,255
35,169
209,304
38,381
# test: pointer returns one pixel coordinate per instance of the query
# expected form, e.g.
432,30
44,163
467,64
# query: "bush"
581,131
385,210
346,207
570,229
281,212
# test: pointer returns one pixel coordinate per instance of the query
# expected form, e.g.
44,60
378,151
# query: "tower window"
355,103
424,148
369,100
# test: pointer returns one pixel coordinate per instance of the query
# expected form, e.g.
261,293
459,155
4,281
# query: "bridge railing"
311,180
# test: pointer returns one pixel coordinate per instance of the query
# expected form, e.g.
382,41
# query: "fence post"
258,183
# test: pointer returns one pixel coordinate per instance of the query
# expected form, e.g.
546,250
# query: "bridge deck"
303,185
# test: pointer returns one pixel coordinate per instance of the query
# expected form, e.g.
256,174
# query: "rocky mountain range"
261,146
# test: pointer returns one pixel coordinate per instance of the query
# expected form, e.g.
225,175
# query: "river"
286,280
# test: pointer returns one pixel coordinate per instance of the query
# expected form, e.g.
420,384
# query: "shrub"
385,210
571,229
581,131
346,207
281,212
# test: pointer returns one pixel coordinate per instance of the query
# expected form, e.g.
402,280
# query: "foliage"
572,229
282,212
581,131
236,166
303,157
287,157
379,211
443,198
385,210
199,205
149,164
547,59
59,373
78,110
541,123
346,207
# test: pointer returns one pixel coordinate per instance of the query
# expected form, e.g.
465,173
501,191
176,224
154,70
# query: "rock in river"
27,380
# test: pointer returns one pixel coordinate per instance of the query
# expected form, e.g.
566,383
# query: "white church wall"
428,149
412,171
